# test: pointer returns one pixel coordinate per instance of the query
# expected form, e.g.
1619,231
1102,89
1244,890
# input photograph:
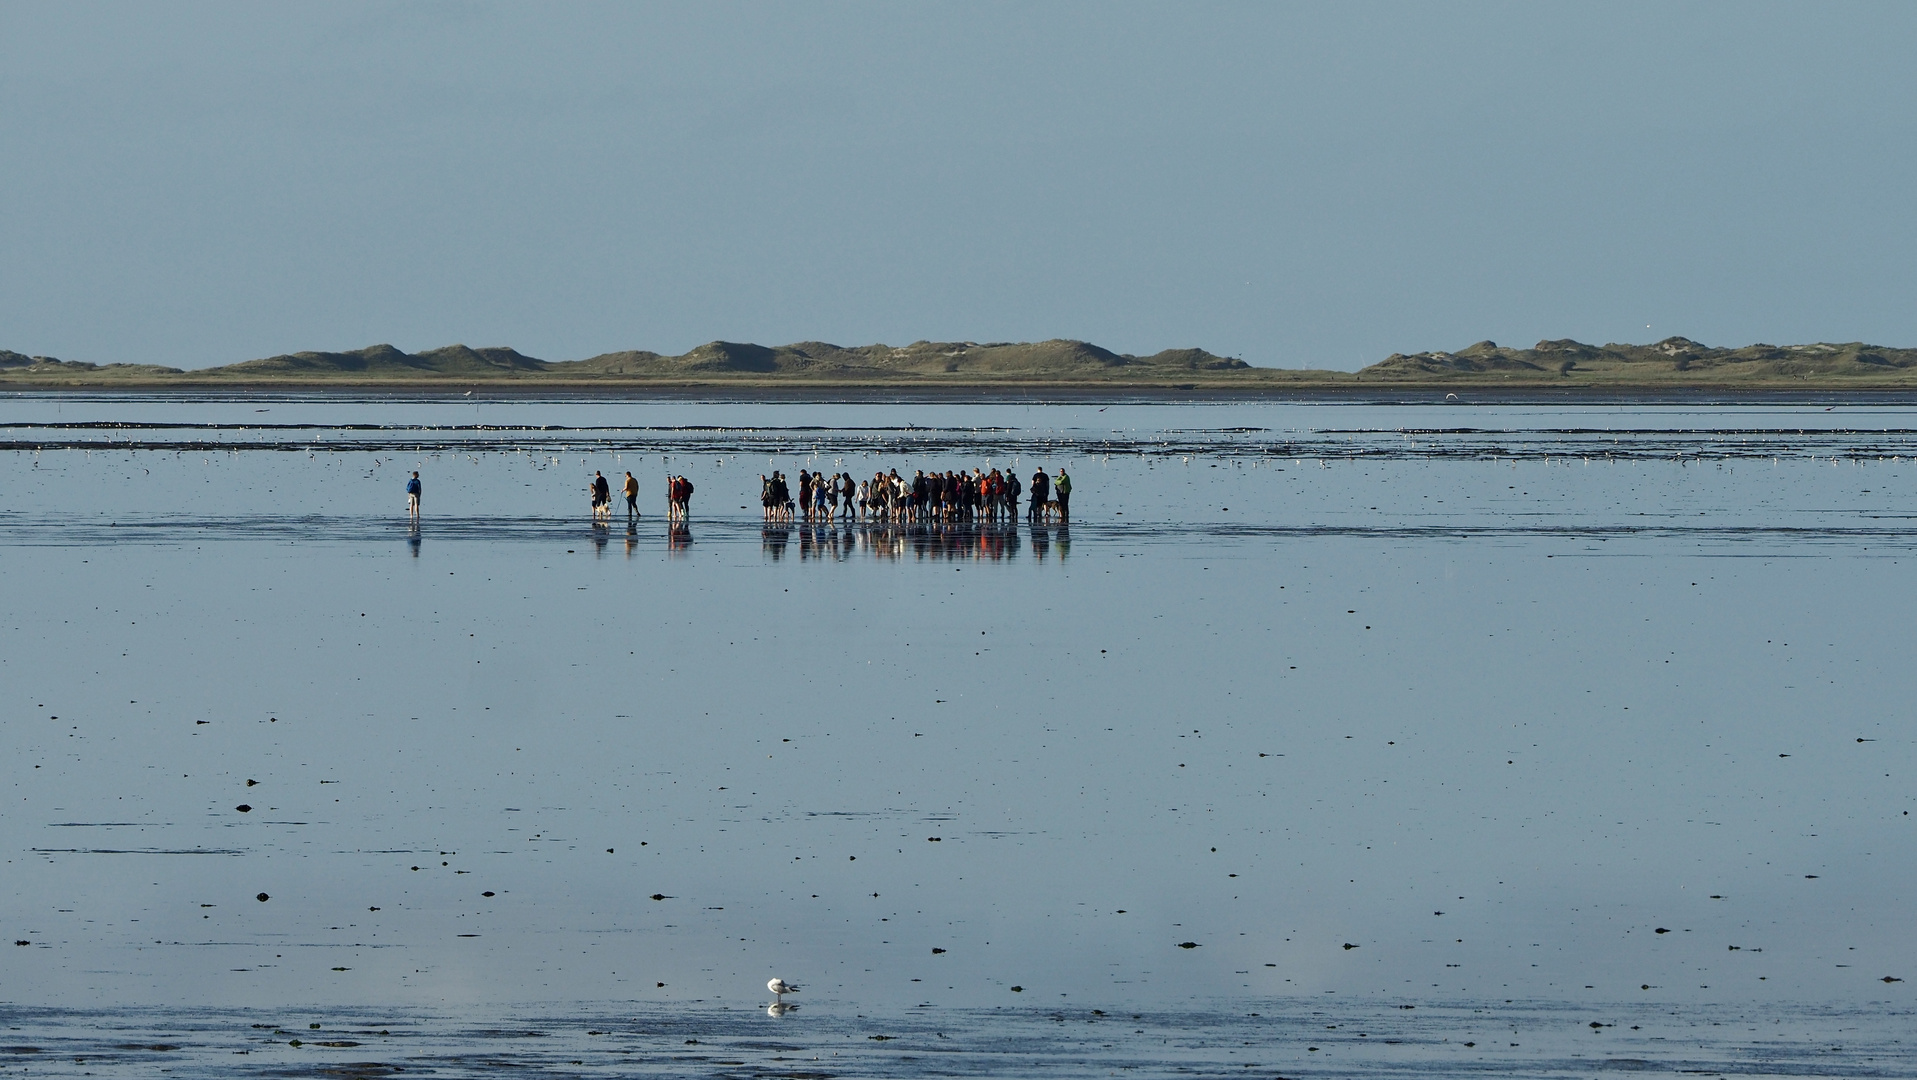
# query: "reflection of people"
412,496
772,540
632,496
1062,490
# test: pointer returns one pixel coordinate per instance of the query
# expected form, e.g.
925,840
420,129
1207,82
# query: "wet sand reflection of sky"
1493,722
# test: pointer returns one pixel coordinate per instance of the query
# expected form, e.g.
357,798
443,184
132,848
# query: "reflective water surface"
1417,732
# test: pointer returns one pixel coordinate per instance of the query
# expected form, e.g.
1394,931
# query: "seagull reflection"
780,1008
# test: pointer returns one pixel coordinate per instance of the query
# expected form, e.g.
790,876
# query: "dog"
1049,511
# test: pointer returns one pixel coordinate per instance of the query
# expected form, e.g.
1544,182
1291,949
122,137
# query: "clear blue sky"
1299,184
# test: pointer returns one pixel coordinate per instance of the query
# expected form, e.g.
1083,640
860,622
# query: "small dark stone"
262,898
658,896
23,943
935,952
1018,989
934,839
244,808
1188,944
486,894
1349,946
1661,930
1887,978
252,783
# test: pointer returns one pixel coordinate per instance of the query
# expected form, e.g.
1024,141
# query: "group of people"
678,497
926,498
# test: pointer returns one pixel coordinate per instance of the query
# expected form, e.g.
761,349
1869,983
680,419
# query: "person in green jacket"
1062,491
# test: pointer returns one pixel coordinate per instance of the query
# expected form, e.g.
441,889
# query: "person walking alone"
632,497
412,497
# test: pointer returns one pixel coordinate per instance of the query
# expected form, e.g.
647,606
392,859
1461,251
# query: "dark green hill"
953,363
1056,359
382,362
18,366
1673,362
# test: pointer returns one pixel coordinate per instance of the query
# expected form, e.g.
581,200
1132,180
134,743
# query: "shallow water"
1536,715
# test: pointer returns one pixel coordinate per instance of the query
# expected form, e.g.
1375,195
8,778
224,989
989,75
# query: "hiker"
412,496
1041,494
1062,490
632,497
601,496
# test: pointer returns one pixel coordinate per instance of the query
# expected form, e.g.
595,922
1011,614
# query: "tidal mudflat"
1327,739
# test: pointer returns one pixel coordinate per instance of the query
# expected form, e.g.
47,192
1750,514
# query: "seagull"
780,988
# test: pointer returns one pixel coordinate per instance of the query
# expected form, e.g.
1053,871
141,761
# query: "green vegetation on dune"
1672,364
381,362
17,367
924,359
1675,362
951,364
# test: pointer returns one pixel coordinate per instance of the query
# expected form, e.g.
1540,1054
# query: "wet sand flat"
1524,717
